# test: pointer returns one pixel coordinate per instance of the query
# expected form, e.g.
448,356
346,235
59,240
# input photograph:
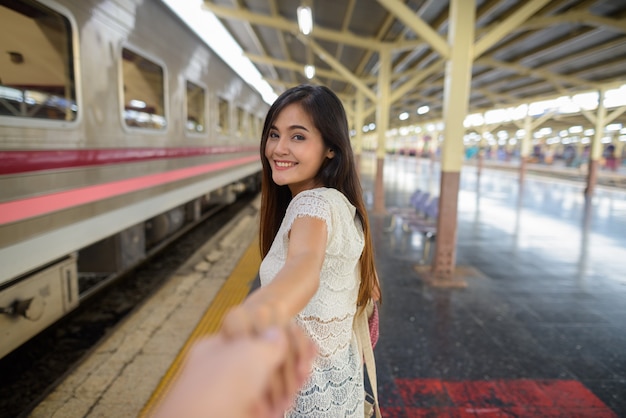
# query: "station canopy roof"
524,51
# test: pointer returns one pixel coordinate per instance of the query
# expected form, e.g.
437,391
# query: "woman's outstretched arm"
292,288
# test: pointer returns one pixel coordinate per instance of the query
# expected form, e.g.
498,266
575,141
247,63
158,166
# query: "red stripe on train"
13,162
36,206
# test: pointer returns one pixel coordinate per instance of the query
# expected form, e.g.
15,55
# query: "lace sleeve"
309,203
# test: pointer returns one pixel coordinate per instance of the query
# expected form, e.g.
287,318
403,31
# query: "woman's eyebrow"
291,128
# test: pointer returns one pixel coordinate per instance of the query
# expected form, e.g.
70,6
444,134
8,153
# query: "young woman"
318,262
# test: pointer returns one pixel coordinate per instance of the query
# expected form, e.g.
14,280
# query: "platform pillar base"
457,280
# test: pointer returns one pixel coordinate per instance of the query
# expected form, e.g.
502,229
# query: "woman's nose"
281,146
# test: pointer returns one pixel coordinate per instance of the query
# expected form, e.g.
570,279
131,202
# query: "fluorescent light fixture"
422,110
404,116
305,19
613,127
545,131
208,27
139,104
309,71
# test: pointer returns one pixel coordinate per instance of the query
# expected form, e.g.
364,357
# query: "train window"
144,95
252,126
241,121
195,108
37,77
223,111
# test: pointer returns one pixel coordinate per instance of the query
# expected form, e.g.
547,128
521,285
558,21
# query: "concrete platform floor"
540,329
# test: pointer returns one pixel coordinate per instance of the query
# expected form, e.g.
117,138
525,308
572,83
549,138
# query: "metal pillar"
596,146
382,123
525,147
456,101
358,128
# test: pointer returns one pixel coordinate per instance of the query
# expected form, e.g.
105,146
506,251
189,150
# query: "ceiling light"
305,19
309,71
138,104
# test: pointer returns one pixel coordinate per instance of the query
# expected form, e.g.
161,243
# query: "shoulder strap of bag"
366,352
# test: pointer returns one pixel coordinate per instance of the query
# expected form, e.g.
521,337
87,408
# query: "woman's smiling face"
295,150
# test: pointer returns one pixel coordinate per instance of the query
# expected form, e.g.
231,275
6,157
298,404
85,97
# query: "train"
119,128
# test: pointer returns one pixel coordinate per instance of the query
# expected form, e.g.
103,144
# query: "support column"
434,145
455,104
525,147
382,124
595,151
619,150
481,150
358,128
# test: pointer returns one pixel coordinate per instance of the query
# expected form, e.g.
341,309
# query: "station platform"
539,330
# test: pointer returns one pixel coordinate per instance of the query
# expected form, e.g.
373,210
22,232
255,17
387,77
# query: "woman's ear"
330,153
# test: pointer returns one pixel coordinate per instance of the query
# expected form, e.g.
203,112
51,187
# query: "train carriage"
119,128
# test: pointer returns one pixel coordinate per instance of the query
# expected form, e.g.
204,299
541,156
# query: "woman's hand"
250,319
231,378
253,319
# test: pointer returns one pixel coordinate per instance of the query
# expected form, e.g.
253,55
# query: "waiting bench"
420,216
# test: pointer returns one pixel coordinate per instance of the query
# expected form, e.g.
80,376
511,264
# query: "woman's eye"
273,135
298,137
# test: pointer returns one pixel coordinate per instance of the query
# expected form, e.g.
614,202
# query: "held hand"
248,319
231,378
253,319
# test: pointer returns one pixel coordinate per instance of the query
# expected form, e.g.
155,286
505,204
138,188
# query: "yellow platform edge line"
233,292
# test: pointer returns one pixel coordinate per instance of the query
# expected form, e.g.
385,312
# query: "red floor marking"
569,394
495,398
479,394
422,392
437,412
525,392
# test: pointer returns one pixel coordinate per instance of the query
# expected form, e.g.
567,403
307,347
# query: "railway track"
29,373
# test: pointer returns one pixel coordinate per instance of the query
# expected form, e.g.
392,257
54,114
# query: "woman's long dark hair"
339,172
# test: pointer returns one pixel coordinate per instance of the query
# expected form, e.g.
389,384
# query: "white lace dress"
335,388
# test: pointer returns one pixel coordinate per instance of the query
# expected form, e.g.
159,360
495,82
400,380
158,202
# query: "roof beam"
283,24
255,39
580,17
344,25
421,28
507,26
596,49
541,74
379,35
337,66
421,75
292,65
406,57
281,37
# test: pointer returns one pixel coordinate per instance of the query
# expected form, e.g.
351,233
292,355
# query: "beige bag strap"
366,352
